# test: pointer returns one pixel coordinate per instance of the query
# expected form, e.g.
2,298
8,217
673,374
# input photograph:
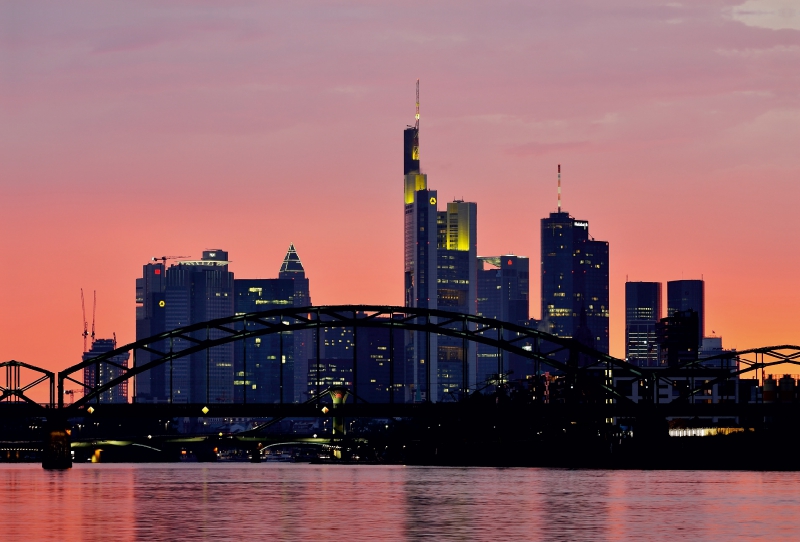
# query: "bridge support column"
339,396
255,454
56,451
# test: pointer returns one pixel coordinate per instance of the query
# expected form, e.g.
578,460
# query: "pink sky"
150,128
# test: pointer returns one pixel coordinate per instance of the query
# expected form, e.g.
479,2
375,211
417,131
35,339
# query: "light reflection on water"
331,502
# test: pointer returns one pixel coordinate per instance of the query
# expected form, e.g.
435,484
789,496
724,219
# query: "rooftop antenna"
416,124
415,144
559,188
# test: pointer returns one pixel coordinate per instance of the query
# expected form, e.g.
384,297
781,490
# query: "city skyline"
669,167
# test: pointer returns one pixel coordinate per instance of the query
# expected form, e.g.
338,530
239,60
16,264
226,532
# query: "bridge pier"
255,453
338,396
56,450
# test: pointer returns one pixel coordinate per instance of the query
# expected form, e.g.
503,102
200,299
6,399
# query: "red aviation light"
157,271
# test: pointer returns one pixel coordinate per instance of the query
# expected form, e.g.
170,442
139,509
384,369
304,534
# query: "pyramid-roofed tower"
291,263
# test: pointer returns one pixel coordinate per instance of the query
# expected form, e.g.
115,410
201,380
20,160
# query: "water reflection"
291,502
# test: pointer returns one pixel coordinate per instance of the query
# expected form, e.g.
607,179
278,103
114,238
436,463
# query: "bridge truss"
572,360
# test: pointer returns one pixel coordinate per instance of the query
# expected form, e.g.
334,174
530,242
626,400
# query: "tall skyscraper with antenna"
440,272
420,240
574,279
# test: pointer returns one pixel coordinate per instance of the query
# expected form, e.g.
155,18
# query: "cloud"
772,14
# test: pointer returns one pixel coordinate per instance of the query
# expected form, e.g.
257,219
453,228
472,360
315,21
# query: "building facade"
264,366
574,281
292,269
198,291
642,313
420,263
503,294
152,385
688,295
103,373
457,291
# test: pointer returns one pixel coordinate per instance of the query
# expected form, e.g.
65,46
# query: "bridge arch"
544,349
15,389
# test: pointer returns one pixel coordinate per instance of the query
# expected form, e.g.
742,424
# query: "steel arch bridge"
547,351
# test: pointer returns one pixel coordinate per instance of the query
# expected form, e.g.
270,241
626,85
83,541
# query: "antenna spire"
416,124
559,188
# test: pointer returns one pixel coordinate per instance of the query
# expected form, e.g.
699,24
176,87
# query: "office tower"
574,280
376,350
105,372
684,295
642,313
152,385
264,366
457,291
677,337
197,291
292,269
420,244
503,294
335,364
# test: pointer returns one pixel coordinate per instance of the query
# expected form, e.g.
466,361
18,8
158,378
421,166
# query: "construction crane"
85,325
163,259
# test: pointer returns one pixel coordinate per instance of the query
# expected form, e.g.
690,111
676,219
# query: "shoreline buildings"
195,291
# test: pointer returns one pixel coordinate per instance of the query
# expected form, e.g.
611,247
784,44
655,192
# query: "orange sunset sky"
137,129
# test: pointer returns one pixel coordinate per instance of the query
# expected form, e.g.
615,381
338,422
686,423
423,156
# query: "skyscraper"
642,313
503,294
685,295
574,280
273,368
292,269
153,385
457,291
420,261
264,366
198,291
103,373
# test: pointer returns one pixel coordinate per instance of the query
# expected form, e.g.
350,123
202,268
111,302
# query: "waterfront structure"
199,291
103,373
420,262
574,280
503,294
719,376
642,313
685,295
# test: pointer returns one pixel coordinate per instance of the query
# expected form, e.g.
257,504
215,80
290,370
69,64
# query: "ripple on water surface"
332,502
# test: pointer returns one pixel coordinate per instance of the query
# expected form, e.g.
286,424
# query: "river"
285,501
